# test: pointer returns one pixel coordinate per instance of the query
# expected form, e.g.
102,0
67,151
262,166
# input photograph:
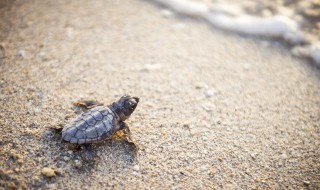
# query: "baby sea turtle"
99,123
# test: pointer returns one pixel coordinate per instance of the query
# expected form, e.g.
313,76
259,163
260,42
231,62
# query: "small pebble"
12,185
48,172
42,56
20,161
36,110
136,174
201,86
136,167
208,107
78,164
58,171
52,186
151,67
66,158
203,168
21,53
306,183
283,156
186,124
246,66
166,13
209,93
15,155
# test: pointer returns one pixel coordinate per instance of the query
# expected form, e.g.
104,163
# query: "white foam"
190,8
312,51
231,17
274,26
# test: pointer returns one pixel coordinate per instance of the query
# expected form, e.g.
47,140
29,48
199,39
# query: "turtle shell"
91,126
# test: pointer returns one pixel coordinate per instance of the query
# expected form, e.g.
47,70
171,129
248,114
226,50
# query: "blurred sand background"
217,110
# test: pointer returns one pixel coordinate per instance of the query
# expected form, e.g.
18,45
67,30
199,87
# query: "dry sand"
216,111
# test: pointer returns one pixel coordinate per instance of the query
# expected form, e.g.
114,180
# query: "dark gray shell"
91,126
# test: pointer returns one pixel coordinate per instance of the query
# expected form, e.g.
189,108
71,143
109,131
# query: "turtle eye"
129,104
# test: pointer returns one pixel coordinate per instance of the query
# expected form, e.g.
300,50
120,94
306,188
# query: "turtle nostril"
136,99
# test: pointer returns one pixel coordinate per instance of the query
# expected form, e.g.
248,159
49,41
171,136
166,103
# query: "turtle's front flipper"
128,134
129,140
88,153
126,130
123,125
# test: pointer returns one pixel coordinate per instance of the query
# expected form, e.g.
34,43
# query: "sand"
217,110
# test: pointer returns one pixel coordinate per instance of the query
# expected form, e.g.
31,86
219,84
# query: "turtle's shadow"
112,152
117,149
116,152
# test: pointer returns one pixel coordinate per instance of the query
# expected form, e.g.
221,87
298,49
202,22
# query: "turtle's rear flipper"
84,105
88,152
56,128
53,132
87,104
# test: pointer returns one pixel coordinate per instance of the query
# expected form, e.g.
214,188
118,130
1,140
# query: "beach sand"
217,110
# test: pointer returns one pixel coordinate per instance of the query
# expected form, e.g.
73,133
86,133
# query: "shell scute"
91,121
105,112
67,137
107,124
101,130
92,133
97,116
74,140
80,134
81,125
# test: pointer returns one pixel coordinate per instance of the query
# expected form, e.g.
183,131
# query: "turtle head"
125,106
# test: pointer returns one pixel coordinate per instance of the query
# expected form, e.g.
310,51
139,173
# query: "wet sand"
217,110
